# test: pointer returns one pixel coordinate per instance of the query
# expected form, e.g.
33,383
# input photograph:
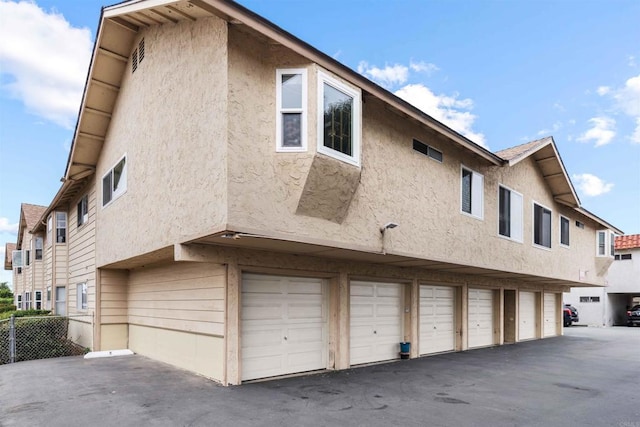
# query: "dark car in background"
574,313
566,312
633,315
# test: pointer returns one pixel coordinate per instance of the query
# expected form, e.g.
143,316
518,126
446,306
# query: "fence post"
12,339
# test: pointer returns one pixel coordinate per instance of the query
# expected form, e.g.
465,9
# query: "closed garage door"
376,321
480,318
284,325
437,321
550,316
527,315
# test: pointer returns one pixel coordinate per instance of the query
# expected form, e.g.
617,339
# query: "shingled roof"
8,249
522,150
29,217
631,241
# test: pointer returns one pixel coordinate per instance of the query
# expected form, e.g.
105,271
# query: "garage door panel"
480,318
550,315
527,315
283,332
437,321
376,321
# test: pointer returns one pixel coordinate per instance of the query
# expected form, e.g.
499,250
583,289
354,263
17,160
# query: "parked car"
574,313
567,316
633,316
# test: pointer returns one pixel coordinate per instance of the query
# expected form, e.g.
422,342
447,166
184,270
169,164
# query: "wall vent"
141,51
134,61
427,150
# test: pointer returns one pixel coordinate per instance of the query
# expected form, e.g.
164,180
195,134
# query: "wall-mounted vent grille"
134,61
141,51
427,150
579,224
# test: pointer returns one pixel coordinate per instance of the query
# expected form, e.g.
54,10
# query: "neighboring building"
243,206
608,306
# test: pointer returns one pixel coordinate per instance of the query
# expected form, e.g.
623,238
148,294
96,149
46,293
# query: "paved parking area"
589,377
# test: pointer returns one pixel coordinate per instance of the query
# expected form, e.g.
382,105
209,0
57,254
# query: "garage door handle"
435,327
375,332
285,338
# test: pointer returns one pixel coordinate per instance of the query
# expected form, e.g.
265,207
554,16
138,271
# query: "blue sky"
499,72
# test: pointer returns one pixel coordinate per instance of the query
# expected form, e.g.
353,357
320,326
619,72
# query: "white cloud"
603,90
631,61
6,227
388,76
591,185
559,107
555,128
423,67
602,131
45,59
635,137
449,110
628,97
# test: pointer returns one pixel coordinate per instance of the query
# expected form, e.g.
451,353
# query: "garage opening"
527,320
437,319
284,325
551,315
509,316
480,318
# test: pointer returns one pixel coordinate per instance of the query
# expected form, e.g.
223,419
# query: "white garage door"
437,321
550,315
376,321
284,325
480,318
527,315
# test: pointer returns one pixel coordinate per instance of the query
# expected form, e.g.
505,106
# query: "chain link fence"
31,338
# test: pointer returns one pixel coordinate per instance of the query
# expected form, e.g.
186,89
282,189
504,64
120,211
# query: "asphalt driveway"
589,377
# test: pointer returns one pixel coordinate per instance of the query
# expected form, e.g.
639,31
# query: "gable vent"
141,50
134,61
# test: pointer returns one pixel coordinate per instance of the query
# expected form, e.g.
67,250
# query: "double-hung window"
338,120
541,226
291,121
564,231
605,242
19,304
83,210
49,230
38,248
114,182
61,227
38,300
81,295
472,193
509,213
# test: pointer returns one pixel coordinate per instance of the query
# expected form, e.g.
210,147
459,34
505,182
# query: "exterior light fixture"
388,226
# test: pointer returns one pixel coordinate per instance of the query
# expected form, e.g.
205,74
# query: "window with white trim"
49,230
472,193
564,231
16,259
48,302
83,210
291,99
27,258
81,296
605,243
19,302
339,120
509,213
27,300
38,245
541,226
61,227
38,300
114,182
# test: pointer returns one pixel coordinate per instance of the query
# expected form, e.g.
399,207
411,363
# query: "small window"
81,290
114,182
579,224
19,302
27,258
291,120
625,257
427,150
589,299
38,245
472,192
49,230
83,210
564,231
38,300
509,214
612,244
16,259
27,300
605,243
61,227
616,257
338,120
541,226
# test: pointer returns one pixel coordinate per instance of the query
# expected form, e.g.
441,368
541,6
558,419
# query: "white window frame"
533,226
48,300
16,259
37,300
609,242
356,118
39,246
280,111
122,187
81,296
83,215
50,230
517,229
560,218
19,302
27,300
58,227
477,180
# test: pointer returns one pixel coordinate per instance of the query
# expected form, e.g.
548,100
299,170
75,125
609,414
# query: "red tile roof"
628,242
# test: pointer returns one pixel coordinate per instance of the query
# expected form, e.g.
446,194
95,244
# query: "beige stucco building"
252,208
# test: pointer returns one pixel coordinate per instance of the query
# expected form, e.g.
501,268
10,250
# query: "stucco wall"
624,275
170,121
396,183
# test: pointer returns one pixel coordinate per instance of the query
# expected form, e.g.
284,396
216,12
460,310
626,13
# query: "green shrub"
5,308
23,313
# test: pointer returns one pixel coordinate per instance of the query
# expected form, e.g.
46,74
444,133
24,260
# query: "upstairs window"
114,182
509,213
49,230
27,258
291,122
605,243
61,227
83,210
564,230
541,226
472,191
16,260
338,120
38,245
